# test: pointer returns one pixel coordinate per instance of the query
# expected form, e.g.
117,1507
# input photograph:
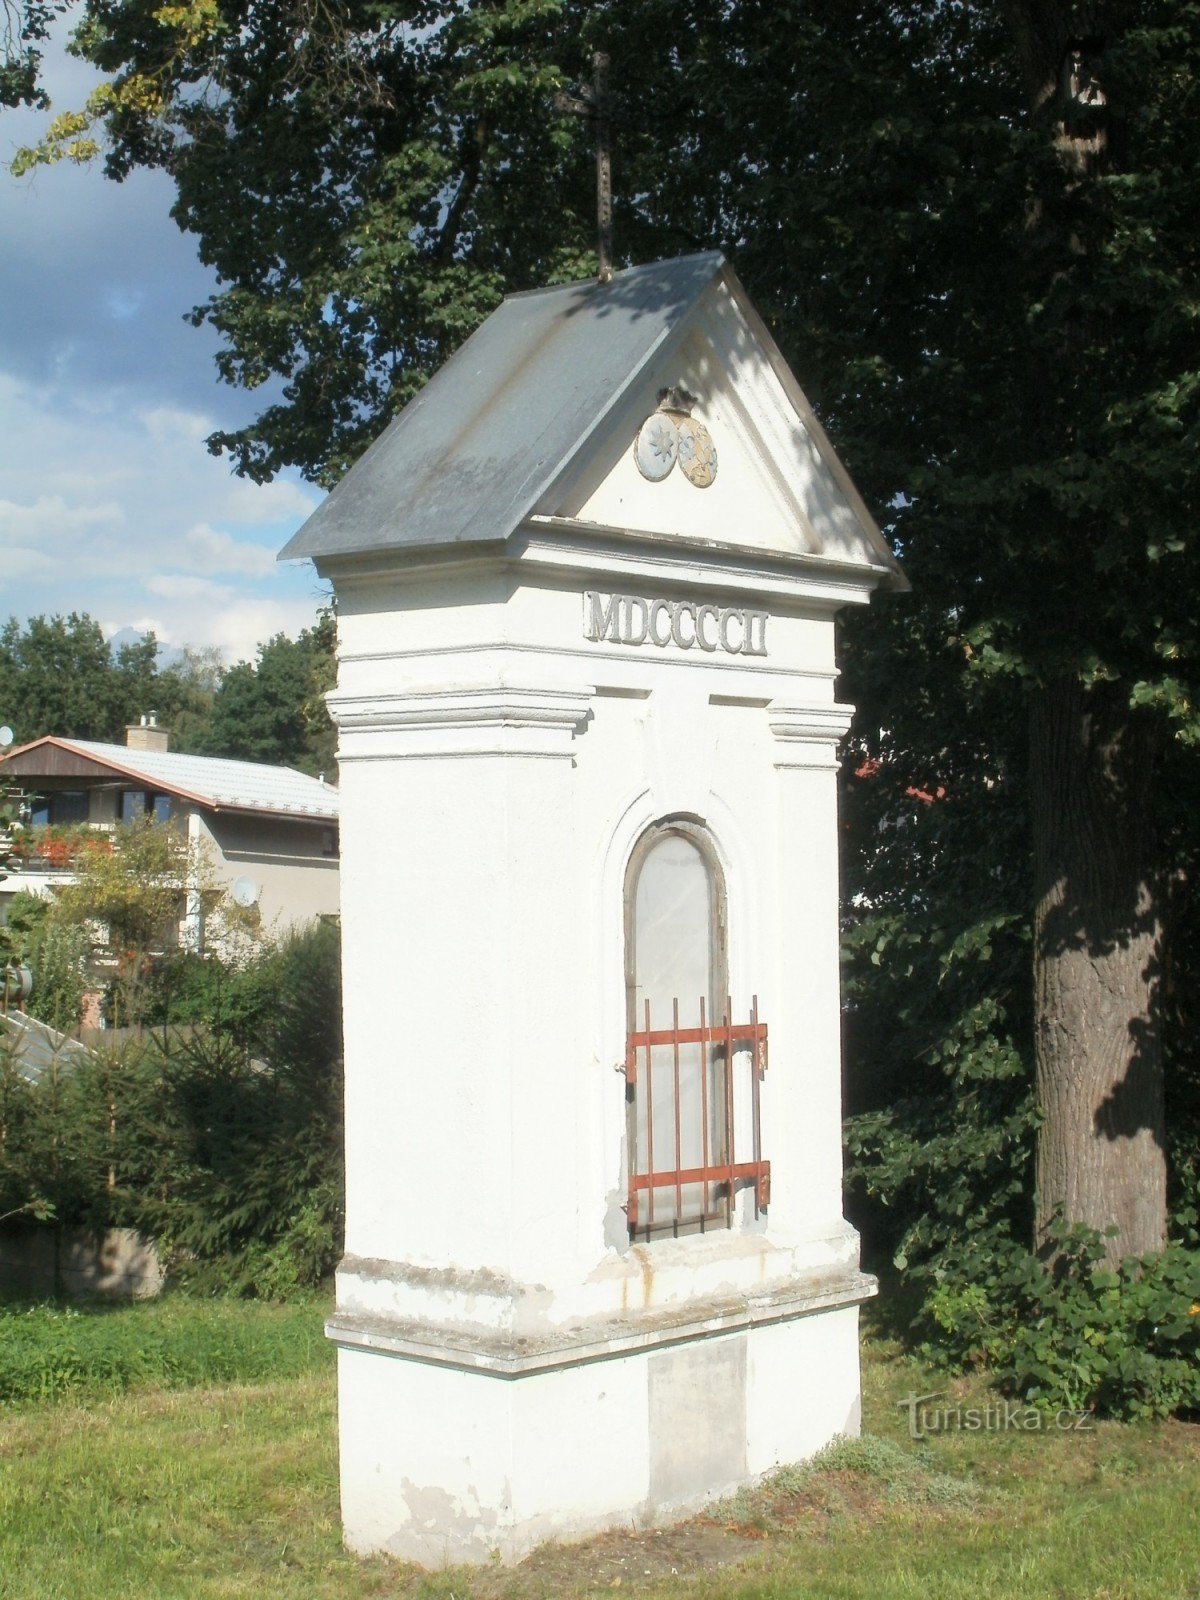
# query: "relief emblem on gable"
672,434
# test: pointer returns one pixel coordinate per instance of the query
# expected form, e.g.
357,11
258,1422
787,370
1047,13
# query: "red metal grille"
719,1173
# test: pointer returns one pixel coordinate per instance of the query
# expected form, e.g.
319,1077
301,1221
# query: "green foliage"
59,675
251,1195
274,710
1072,1334
226,998
941,1117
220,1138
47,1142
55,953
134,885
25,30
1002,344
51,1353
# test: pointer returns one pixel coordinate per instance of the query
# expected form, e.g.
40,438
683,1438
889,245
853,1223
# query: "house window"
67,808
692,1074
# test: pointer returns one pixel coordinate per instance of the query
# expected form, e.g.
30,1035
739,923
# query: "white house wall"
290,862
540,845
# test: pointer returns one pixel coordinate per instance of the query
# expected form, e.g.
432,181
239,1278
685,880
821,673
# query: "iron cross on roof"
593,103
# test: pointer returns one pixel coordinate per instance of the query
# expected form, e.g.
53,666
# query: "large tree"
60,675
972,229
273,709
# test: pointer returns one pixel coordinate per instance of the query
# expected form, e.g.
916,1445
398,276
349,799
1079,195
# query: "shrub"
221,1139
1068,1332
57,955
253,1197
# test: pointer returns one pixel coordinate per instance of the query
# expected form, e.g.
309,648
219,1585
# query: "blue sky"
109,501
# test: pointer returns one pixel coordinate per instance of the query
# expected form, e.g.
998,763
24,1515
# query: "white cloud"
217,551
109,524
280,501
137,625
124,303
21,562
168,424
236,627
181,586
111,502
241,628
50,517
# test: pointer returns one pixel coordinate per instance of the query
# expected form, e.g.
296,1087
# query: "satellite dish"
6,736
18,983
244,892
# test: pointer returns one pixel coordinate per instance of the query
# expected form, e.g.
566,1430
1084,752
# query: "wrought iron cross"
593,103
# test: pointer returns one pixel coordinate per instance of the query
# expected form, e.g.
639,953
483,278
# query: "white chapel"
597,1270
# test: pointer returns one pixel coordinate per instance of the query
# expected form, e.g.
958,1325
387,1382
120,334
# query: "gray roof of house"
36,1047
208,780
471,455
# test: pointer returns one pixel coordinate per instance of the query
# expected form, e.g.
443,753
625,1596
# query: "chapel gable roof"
481,447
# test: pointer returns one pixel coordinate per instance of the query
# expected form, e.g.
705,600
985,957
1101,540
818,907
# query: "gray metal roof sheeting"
468,458
209,780
36,1047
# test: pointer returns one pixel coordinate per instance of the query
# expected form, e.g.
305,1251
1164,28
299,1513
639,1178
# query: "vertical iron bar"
649,1123
756,1105
678,1150
704,1093
730,1146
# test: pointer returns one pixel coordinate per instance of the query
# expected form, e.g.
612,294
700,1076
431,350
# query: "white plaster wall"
513,1367
459,1005
497,769
484,982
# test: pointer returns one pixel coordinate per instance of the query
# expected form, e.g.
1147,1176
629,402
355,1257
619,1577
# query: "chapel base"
444,1464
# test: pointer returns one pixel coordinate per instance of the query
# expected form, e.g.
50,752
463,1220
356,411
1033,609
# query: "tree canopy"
972,230
59,675
273,710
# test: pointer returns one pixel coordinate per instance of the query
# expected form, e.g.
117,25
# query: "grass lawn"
232,1490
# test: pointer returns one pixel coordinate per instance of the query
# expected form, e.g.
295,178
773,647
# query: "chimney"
146,734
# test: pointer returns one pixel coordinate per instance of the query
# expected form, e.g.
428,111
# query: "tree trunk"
1097,968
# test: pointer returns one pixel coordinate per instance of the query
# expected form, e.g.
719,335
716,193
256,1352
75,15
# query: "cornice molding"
809,734
491,720
501,1353
602,553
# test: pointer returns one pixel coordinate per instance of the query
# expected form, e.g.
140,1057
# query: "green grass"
232,1491
50,1352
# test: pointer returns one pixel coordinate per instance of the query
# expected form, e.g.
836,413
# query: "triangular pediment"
778,485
